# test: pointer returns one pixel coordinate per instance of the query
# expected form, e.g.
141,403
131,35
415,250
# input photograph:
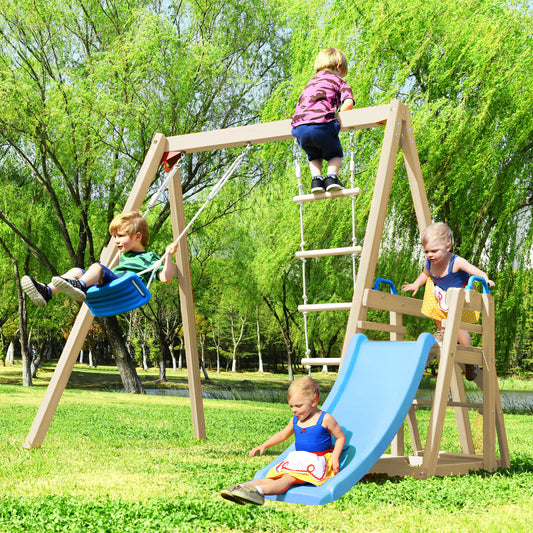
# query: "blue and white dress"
311,461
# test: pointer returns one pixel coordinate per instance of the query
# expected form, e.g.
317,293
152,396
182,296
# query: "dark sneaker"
38,293
317,184
471,372
227,494
247,494
72,287
332,183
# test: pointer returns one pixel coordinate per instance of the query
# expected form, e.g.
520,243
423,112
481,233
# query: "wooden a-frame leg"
60,379
84,319
444,378
187,308
376,217
461,413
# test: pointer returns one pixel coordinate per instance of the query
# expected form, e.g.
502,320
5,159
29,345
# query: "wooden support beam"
59,379
444,377
385,301
376,217
378,326
177,215
368,117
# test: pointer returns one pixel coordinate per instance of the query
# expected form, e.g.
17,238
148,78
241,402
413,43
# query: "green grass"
128,463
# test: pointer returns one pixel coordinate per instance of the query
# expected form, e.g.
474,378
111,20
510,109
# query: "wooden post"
376,218
446,368
84,319
177,213
490,385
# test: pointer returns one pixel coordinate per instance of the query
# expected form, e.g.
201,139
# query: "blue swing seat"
120,296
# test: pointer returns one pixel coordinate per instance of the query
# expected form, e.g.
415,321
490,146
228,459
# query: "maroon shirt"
320,99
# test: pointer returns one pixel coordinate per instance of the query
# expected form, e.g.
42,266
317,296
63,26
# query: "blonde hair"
306,386
439,231
131,222
330,59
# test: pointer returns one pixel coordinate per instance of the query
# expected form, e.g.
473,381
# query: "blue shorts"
319,141
107,275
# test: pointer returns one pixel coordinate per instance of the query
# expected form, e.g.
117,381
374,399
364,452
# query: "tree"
85,86
469,100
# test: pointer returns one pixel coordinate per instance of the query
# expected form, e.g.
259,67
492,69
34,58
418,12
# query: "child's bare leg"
464,338
93,275
315,166
273,486
334,165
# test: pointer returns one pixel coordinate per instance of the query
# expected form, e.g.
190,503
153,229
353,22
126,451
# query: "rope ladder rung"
348,250
326,195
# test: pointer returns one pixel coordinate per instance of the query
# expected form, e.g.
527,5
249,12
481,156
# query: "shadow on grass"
520,464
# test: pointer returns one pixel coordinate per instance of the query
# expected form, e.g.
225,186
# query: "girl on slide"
316,457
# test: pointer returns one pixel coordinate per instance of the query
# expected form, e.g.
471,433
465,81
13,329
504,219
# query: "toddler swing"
129,292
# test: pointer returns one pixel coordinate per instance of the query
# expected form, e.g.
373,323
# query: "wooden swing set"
449,391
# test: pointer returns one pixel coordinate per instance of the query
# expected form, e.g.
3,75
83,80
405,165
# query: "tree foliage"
86,85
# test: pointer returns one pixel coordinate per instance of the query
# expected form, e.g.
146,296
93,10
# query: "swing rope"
216,189
353,150
298,169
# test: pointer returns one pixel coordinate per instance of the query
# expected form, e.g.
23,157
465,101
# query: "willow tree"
466,71
86,84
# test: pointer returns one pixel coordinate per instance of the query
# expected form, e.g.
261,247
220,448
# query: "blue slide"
371,397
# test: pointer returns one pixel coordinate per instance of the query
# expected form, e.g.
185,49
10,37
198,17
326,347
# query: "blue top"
452,279
314,439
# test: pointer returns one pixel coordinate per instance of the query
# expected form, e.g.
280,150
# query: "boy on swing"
131,234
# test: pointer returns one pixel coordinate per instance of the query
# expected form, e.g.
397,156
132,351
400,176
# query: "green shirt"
137,262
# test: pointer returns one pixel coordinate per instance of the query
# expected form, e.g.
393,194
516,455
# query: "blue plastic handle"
387,282
470,284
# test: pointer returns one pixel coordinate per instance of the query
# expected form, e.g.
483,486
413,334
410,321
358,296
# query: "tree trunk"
164,352
285,334
23,321
11,353
145,357
125,365
259,355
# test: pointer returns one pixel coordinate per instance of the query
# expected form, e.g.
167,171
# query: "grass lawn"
128,463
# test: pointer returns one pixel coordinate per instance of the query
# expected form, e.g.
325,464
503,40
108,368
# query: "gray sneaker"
248,494
37,292
72,287
227,494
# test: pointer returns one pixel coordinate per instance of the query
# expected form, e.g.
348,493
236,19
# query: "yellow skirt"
307,467
430,306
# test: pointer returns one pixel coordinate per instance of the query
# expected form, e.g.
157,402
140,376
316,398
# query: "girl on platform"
444,269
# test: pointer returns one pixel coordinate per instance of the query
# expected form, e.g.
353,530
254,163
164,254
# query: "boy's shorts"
107,275
319,141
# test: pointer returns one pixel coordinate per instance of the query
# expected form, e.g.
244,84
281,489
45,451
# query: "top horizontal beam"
280,130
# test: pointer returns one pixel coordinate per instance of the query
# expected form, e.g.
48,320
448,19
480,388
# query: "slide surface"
370,399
